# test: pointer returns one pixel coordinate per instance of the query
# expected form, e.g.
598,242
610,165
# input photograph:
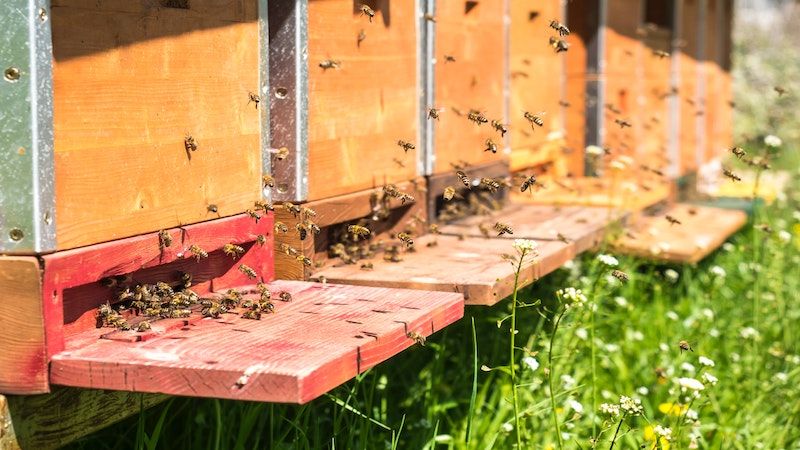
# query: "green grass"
437,397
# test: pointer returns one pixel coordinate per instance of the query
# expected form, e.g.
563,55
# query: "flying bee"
305,260
731,175
433,113
281,227
559,45
406,146
620,275
449,58
253,214
490,146
285,296
164,239
232,250
190,144
367,266
685,346
358,230
268,180
406,239
780,90
433,229
500,127
292,209
330,64
739,152
661,54
247,270
429,17
490,184
763,227
406,198
502,229
563,238
534,119
261,240
477,117
198,252
253,98
251,315
416,337
559,27
449,193
564,104
622,123
464,179
529,182
366,10
672,220
143,326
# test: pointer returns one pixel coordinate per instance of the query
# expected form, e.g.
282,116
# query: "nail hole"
16,234
282,188
12,74
281,92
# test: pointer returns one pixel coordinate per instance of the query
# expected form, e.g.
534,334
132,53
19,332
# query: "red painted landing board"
471,266
324,337
701,231
584,226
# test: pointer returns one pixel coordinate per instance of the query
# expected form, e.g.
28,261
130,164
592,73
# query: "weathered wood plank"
702,230
54,420
471,266
326,335
23,355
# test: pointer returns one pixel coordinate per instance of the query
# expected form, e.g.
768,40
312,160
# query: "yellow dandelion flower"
673,409
650,437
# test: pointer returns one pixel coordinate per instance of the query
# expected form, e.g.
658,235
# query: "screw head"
16,234
12,74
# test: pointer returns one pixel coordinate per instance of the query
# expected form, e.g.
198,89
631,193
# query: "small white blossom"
663,432
771,140
572,296
575,405
642,390
748,333
710,379
796,215
794,359
690,383
507,427
692,415
708,313
663,347
781,377
717,271
714,332
621,301
567,381
637,335
705,361
582,333
785,236
610,409
608,260
735,357
671,275
525,245
612,348
687,367
672,315
631,406
565,436
728,247
531,362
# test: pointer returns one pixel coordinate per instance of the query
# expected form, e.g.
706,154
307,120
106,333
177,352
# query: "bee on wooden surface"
406,146
186,279
780,90
490,146
367,266
358,231
282,153
672,220
362,35
685,346
661,54
433,113
302,231
490,184
253,214
189,143
449,193
620,275
292,209
449,58
268,180
180,313
534,119
406,198
261,240
502,229
247,270
232,250
500,127
529,183
366,10
406,239
477,117
559,45
622,123
560,28
464,179
263,206
281,227
330,64
738,152
285,296
143,326
416,337
251,315
312,227
563,238
164,239
198,252
731,175
253,98
289,250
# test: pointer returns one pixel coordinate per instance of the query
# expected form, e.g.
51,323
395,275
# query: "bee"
268,180
490,184
613,108
186,279
780,90
763,227
534,119
563,238
251,315
490,146
282,153
559,27
406,146
620,275
198,252
406,239
180,313
253,214
731,175
232,250
529,182
281,227
476,116
330,64
164,239
262,205
212,208
559,45
358,230
305,260
292,209
464,179
449,58
289,250
661,54
247,270
312,227
502,229
189,143
302,230
308,212
739,152
261,240
367,266
406,198
685,346
143,326
366,10
484,229
433,228
253,98
433,113
416,337
360,38
285,296
622,123
672,220
564,104
449,193
500,127
430,17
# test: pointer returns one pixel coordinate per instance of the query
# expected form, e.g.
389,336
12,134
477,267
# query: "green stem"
614,439
512,351
550,377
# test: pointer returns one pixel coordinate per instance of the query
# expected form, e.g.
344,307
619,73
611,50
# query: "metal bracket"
427,49
263,79
27,204
596,85
288,97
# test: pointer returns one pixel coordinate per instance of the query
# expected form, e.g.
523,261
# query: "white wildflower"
609,409
692,415
781,377
735,357
671,275
572,296
565,436
714,333
594,150
608,260
612,348
796,215
785,236
631,406
748,333
707,313
710,379
672,315
582,333
637,335
794,359
687,367
531,362
705,361
621,301
717,271
525,245
690,383
728,247
771,140
567,381
507,427
663,347
663,432
642,390
575,405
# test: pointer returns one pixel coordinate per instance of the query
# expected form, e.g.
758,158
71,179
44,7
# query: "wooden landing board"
701,231
471,266
585,227
325,336
629,193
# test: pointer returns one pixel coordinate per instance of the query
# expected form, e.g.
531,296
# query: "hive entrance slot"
179,4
